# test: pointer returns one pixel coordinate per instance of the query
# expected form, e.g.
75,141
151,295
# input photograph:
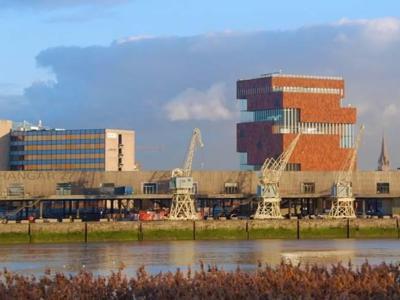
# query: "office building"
35,148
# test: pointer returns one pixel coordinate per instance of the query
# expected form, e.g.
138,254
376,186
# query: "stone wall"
173,230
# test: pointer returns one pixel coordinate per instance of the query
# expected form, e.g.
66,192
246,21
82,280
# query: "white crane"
342,191
183,202
268,189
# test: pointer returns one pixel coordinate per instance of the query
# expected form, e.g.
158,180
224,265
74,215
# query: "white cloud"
192,104
133,38
379,31
390,111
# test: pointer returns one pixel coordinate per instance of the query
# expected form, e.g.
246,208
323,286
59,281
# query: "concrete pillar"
26,203
63,204
301,206
70,207
41,210
363,208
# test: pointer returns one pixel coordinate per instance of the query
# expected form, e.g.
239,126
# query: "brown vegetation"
285,281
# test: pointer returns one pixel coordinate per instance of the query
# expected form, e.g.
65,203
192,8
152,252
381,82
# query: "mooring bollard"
85,232
298,229
194,230
247,230
140,232
29,233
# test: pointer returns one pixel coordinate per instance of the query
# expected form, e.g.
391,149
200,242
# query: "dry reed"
285,281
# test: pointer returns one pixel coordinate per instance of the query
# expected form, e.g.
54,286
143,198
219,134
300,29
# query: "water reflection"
101,258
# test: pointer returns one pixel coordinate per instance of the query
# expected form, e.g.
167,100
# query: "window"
64,188
149,188
308,187
15,189
195,188
293,167
382,188
231,188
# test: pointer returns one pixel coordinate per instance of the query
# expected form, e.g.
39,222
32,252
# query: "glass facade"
58,150
287,120
245,92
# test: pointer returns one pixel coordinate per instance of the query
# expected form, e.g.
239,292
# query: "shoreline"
120,231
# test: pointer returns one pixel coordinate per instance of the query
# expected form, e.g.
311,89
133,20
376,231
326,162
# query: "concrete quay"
197,230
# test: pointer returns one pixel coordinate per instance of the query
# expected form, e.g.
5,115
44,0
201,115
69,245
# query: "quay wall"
197,230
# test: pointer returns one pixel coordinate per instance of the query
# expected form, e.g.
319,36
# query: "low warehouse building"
306,193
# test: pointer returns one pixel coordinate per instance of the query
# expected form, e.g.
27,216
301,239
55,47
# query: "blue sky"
64,61
27,27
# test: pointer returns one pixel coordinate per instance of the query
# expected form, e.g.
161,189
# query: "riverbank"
86,232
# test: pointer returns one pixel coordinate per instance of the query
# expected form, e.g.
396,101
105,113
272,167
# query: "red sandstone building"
277,106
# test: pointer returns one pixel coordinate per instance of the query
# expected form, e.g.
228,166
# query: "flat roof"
278,74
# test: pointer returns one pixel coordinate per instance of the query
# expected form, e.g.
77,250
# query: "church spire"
383,162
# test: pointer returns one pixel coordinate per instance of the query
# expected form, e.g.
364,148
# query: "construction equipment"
183,202
342,191
268,189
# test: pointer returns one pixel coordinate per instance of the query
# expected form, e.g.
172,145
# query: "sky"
164,67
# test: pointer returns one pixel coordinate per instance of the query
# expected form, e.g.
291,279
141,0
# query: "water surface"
101,258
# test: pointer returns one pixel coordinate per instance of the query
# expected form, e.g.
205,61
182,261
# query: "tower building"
275,107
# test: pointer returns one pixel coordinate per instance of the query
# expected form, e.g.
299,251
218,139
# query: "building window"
231,188
308,187
382,188
15,190
195,188
293,167
64,188
149,188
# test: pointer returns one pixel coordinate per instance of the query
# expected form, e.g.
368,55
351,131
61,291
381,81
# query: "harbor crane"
342,191
268,188
183,202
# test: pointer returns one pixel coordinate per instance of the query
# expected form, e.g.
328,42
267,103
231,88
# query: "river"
101,258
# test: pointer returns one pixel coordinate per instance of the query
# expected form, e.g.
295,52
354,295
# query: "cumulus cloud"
144,83
14,106
134,38
390,111
380,31
193,104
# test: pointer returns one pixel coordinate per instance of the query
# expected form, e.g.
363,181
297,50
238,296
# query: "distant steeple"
383,162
